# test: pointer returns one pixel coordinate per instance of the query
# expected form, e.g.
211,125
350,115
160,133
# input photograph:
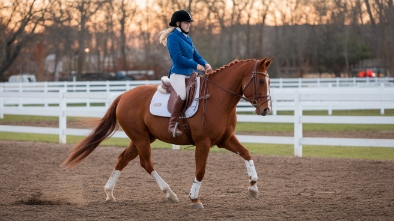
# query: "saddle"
191,88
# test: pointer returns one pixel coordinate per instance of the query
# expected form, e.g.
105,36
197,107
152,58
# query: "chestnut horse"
213,124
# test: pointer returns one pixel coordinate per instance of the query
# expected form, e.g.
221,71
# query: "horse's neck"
222,88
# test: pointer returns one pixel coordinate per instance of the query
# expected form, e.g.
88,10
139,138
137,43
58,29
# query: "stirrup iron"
175,128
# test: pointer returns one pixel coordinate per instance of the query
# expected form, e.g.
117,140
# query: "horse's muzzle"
264,112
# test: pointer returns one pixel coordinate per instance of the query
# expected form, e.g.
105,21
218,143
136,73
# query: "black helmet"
180,16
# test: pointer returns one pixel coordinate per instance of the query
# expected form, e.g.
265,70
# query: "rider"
185,59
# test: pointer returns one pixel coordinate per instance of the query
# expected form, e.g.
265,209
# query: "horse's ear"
261,63
268,62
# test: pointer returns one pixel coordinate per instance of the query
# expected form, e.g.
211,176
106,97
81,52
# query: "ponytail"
164,34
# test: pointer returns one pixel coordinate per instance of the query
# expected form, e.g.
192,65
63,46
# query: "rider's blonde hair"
164,34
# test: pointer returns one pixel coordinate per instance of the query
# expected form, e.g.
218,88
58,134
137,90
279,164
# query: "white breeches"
178,83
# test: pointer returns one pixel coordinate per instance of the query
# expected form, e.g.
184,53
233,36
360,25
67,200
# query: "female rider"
185,59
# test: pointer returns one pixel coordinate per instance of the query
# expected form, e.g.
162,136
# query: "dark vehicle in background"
134,75
117,76
96,77
122,76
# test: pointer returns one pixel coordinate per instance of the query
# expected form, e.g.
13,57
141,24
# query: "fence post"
274,111
176,147
62,117
382,104
1,103
297,125
330,109
46,91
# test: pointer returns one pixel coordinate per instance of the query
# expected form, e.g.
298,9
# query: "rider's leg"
178,83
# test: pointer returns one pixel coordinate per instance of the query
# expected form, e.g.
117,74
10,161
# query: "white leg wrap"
171,196
109,187
162,184
195,189
251,170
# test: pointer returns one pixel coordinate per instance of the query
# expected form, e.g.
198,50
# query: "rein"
253,101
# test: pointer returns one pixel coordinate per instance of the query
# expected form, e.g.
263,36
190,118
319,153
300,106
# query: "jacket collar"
186,38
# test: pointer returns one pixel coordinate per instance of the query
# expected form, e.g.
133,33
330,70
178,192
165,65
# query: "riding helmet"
180,16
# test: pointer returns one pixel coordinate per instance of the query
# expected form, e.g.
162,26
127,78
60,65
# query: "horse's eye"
261,81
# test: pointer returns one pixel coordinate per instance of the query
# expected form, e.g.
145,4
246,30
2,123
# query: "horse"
213,124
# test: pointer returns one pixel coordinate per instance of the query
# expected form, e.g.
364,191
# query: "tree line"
54,38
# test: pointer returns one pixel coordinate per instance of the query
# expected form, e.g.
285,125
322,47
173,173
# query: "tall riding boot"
176,111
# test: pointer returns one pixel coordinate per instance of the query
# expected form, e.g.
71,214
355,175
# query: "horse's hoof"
197,205
171,196
110,195
110,200
254,191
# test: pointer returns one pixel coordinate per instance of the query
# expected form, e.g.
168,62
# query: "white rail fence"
120,86
283,99
300,97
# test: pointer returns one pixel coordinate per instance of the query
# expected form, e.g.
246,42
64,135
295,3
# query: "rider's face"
185,25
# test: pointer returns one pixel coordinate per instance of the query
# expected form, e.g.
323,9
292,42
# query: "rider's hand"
208,68
200,68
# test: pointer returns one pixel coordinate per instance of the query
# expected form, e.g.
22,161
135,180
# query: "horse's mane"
230,64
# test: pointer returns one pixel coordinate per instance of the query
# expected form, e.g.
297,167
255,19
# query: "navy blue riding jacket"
183,54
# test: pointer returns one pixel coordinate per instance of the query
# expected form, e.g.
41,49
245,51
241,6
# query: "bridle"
256,96
253,79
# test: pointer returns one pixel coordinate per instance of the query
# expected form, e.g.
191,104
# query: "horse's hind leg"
234,146
147,164
124,158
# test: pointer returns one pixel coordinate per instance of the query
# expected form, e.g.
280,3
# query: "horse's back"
134,103
138,95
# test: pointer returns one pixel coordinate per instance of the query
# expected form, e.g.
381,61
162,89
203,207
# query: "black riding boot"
176,111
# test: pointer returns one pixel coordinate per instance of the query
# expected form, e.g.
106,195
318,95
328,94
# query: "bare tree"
19,29
86,9
127,10
381,16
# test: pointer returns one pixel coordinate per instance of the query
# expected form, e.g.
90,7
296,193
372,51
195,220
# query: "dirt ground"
34,187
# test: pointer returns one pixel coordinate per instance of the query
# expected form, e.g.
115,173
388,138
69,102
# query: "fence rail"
120,86
328,99
299,98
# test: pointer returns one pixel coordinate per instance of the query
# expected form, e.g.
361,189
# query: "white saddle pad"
158,105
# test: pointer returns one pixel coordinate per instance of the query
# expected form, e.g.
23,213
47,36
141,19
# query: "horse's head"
256,87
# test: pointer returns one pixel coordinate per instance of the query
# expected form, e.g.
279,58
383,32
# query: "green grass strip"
368,153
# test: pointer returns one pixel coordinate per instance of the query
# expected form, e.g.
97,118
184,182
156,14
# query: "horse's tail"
108,124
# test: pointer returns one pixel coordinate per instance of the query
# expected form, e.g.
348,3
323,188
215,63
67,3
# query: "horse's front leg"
233,145
201,157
